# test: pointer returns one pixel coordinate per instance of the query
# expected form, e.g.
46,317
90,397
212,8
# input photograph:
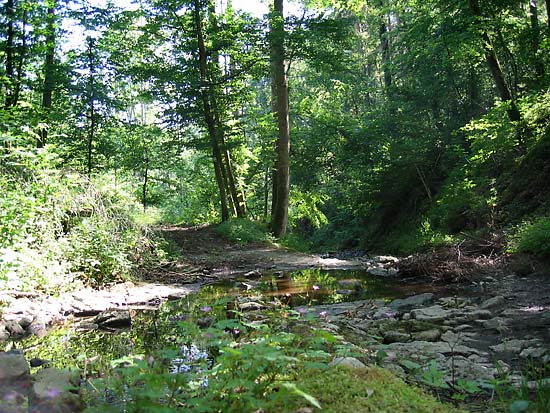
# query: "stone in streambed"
14,382
493,303
428,335
431,314
56,391
409,303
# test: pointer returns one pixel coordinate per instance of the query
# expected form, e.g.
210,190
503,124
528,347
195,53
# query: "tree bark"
91,98
49,75
10,53
208,115
548,15
496,70
280,216
386,57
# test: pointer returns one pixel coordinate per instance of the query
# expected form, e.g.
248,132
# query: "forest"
147,139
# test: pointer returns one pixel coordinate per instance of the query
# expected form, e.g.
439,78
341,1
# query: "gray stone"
497,323
494,303
37,327
14,329
56,391
430,314
4,335
386,259
26,321
14,382
533,353
383,313
382,272
349,362
514,346
395,336
428,335
409,303
113,318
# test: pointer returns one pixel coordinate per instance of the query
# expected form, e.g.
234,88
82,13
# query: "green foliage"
534,239
243,231
57,227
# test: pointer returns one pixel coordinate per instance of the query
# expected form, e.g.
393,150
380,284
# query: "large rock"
56,391
349,362
382,272
493,303
406,304
113,318
431,314
4,335
14,382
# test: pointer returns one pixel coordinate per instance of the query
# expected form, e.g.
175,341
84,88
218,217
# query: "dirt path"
206,252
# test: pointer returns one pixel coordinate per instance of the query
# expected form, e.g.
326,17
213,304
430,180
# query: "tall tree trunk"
208,115
49,75
496,70
236,197
548,15
277,37
386,57
535,33
145,181
10,53
91,101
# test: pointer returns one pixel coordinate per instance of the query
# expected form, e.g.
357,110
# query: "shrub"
243,231
534,239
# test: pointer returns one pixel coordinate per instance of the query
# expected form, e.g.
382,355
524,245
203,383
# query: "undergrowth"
60,229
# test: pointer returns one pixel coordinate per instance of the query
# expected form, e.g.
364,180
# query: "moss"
364,390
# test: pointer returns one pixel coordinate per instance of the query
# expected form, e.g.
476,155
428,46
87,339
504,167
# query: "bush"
243,231
534,239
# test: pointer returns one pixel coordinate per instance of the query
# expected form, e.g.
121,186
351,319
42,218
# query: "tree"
280,81
49,72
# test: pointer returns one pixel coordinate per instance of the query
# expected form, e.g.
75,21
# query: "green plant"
243,231
534,239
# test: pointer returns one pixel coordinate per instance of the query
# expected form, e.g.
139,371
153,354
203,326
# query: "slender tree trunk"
496,70
49,75
535,33
208,115
10,53
91,97
386,57
145,179
236,199
548,15
280,216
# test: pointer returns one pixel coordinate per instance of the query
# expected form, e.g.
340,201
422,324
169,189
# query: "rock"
37,327
37,362
385,259
409,303
87,326
26,321
382,272
395,336
451,338
346,292
349,362
4,335
113,318
533,353
430,314
428,335
253,274
56,391
497,323
514,346
14,329
493,303
14,382
383,313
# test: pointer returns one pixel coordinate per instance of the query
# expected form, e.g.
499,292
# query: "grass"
243,231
